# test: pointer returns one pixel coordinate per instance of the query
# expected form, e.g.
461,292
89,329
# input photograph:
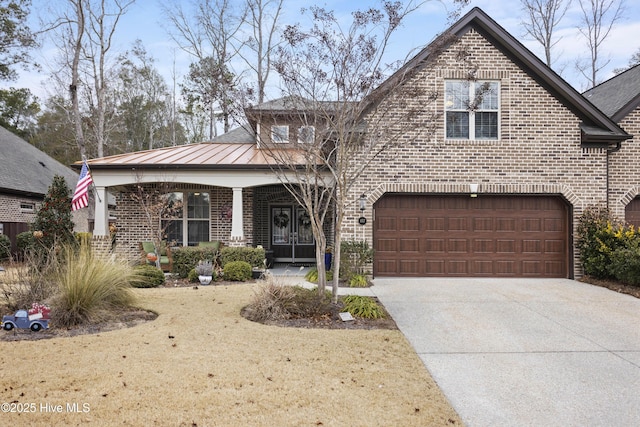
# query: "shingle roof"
619,95
26,170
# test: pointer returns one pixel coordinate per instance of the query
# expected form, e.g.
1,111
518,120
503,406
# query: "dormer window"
306,134
280,134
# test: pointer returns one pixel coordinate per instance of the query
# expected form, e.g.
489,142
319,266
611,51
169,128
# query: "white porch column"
237,224
101,225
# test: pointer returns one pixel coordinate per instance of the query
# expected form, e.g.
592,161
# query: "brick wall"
538,150
133,227
624,181
10,210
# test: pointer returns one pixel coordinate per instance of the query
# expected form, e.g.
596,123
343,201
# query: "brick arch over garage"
420,233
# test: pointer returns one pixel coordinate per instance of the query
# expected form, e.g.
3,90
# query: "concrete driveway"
524,352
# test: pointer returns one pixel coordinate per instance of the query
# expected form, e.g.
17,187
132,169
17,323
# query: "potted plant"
205,272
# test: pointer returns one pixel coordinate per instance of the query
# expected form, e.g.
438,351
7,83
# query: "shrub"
5,247
24,241
354,257
254,256
599,235
84,238
237,271
358,281
625,263
147,276
90,288
312,275
270,302
187,257
193,276
365,307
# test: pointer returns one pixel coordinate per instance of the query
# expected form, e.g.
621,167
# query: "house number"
362,220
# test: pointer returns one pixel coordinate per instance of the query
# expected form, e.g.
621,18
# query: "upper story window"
306,134
471,109
280,134
27,207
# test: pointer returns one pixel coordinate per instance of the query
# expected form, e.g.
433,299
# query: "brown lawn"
201,364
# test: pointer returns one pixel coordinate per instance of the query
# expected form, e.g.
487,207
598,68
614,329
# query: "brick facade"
538,150
624,181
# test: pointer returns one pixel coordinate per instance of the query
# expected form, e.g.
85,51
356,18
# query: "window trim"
277,138
26,207
471,113
184,216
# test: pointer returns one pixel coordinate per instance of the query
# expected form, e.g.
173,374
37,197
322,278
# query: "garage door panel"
506,236
409,245
434,246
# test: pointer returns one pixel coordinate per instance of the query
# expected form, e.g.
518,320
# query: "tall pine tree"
54,218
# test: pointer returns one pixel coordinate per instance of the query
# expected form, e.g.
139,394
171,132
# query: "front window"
186,221
280,134
306,134
471,109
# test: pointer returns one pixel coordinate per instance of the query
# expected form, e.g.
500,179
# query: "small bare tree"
157,205
598,18
333,78
542,18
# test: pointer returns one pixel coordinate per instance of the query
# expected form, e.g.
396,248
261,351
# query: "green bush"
5,247
312,275
358,281
237,271
355,255
254,256
24,241
148,276
90,287
187,257
599,236
193,276
625,263
365,307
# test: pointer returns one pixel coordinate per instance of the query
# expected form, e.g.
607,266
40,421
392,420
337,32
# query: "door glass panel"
281,226
305,233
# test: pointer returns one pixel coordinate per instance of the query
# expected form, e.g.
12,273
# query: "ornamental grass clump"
91,288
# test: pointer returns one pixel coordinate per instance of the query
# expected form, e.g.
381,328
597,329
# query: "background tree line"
104,102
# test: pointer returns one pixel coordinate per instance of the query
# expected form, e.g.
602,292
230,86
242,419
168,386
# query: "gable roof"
27,171
619,95
596,128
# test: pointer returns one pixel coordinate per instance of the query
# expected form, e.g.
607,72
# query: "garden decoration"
36,318
205,272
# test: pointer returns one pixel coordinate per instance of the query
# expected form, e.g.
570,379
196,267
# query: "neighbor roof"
619,95
27,171
608,131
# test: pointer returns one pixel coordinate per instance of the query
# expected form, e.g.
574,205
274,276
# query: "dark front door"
291,234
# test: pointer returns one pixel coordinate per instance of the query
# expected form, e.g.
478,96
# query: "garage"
488,235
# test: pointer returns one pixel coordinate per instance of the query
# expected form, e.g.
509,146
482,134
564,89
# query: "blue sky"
145,21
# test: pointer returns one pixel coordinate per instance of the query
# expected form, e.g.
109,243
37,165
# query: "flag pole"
93,184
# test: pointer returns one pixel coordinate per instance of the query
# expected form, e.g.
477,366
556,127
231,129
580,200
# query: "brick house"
494,191
25,177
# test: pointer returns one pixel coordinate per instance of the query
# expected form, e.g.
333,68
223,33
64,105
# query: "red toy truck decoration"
36,318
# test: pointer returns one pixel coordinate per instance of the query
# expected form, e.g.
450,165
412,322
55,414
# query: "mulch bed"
614,286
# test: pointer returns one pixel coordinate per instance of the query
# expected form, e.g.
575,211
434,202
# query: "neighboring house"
496,191
25,176
619,98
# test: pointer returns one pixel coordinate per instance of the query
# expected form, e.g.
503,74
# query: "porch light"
363,202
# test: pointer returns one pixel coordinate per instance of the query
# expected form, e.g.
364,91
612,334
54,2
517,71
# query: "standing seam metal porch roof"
207,155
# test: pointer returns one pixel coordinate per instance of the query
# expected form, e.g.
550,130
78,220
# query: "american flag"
81,194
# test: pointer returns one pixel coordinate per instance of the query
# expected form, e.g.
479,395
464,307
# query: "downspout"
610,151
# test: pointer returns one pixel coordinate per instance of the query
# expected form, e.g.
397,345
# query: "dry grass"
201,364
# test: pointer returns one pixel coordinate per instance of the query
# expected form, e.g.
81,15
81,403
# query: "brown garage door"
509,236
